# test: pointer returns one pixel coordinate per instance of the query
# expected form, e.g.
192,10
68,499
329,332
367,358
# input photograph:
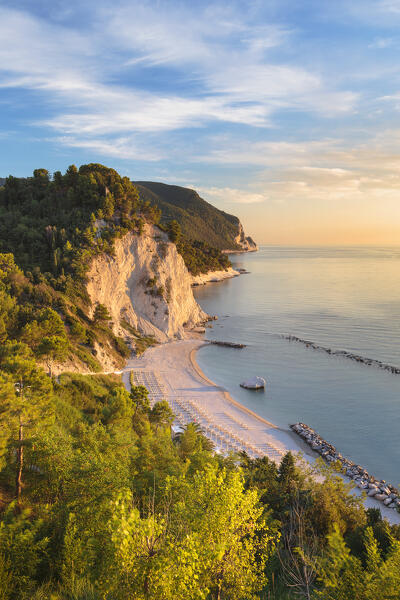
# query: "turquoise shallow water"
341,298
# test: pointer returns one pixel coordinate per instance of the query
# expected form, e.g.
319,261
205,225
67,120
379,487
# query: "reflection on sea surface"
339,298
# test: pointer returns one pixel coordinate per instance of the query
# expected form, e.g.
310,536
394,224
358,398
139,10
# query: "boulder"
255,383
380,497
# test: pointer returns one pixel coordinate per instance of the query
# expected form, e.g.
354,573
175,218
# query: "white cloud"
88,79
390,5
125,148
310,173
382,43
232,195
269,154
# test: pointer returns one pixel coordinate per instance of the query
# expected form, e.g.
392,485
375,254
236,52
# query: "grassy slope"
199,219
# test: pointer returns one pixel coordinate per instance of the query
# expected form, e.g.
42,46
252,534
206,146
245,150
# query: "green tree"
22,408
340,575
161,414
140,398
191,439
101,313
174,231
7,313
207,541
6,584
53,348
41,174
22,546
344,577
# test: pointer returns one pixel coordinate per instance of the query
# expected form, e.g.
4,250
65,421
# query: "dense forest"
51,223
99,500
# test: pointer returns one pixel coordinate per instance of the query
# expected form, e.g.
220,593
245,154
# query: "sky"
284,113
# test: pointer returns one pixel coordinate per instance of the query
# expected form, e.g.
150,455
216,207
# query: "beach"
170,372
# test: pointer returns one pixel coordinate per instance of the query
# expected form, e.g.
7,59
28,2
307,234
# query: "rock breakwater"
227,344
380,490
369,362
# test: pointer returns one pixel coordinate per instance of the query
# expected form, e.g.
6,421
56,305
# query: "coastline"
170,372
195,365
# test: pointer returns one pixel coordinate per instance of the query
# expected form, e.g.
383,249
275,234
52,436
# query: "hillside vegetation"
98,500
199,220
50,230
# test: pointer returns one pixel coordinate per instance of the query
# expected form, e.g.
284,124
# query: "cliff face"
145,284
246,242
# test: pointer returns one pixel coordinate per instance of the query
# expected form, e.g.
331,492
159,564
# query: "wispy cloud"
318,172
125,147
89,81
382,43
232,195
390,5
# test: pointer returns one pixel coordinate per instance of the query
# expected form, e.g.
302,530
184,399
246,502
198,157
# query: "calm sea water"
342,298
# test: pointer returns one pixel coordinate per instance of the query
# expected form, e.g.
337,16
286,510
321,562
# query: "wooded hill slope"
199,219
51,228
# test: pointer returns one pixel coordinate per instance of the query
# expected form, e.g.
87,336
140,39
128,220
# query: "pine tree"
25,399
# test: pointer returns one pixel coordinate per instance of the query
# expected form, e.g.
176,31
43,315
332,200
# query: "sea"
339,299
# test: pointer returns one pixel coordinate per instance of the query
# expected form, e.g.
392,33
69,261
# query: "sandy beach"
169,371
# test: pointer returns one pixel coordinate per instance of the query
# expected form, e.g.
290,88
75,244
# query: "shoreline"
201,374
170,372
302,446
369,502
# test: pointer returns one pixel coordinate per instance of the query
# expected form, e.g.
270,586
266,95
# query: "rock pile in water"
380,490
369,362
255,383
228,344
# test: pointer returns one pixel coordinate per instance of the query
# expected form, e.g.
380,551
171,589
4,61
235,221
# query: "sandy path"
169,371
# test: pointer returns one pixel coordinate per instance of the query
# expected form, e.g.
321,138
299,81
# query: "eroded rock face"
246,242
147,285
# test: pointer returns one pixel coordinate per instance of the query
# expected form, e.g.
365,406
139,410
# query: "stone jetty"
227,344
369,362
379,489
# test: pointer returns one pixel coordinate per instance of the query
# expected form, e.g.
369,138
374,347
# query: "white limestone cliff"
147,285
214,276
246,242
